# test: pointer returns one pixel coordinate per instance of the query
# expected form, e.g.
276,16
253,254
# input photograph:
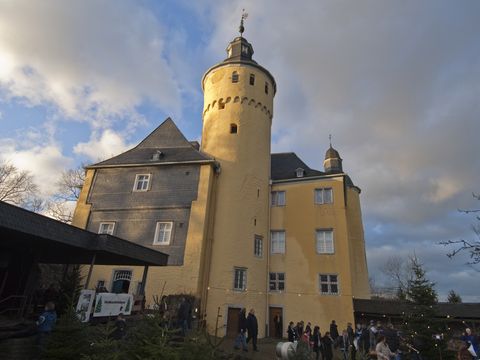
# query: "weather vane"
244,17
330,138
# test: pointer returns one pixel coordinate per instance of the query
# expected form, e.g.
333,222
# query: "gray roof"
284,166
166,139
57,243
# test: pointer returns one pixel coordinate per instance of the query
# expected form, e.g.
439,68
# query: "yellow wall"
242,199
300,219
82,210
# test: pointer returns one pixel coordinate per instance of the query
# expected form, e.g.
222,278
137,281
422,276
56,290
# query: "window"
266,88
278,198
278,242
142,182
300,172
240,279
277,281
324,196
325,242
328,284
234,77
233,129
252,79
163,233
106,228
258,246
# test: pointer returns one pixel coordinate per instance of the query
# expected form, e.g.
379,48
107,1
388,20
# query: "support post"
90,270
144,280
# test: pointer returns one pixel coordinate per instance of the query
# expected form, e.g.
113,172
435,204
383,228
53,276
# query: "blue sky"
396,83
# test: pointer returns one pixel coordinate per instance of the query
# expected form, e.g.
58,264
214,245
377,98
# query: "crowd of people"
372,339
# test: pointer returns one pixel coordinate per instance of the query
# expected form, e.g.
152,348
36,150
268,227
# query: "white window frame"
109,231
329,284
279,198
156,240
276,281
277,246
259,253
137,180
320,200
240,282
323,244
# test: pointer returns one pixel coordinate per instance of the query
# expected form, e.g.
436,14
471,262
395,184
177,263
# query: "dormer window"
300,172
157,155
234,77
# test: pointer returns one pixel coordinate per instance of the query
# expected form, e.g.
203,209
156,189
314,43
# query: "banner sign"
108,304
84,305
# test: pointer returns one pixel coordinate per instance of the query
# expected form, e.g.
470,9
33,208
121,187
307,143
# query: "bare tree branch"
16,186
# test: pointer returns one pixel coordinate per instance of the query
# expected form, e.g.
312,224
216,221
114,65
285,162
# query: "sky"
396,83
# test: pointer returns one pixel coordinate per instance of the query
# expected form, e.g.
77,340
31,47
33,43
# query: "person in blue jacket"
45,324
472,339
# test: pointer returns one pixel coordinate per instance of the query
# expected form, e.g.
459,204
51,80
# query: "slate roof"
284,166
57,243
168,140
394,308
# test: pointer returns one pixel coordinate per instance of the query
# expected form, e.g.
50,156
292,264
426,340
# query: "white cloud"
102,145
90,60
44,161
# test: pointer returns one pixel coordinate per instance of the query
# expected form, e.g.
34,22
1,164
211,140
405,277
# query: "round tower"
237,118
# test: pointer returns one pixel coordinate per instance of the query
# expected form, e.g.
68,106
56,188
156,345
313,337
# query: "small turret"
333,162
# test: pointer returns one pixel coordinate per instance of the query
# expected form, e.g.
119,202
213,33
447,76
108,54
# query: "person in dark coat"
277,320
182,315
299,329
317,342
351,338
393,340
327,343
252,327
120,327
45,324
292,332
242,330
365,339
333,330
343,342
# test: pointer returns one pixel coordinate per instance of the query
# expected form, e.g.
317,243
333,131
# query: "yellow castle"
242,227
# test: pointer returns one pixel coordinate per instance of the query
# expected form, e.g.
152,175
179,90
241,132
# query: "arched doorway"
121,281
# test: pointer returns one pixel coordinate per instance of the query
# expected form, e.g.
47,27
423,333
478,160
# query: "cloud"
102,145
44,161
95,61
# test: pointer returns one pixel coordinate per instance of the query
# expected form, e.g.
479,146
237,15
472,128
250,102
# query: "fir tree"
422,328
69,339
454,298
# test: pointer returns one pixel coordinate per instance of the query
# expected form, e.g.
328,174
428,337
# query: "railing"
20,308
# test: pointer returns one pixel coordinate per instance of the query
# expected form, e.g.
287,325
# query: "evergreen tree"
421,326
69,290
454,298
69,339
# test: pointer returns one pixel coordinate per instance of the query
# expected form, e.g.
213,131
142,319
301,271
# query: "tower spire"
241,28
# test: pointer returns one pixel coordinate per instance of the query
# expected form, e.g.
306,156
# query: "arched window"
234,77
266,87
252,79
233,128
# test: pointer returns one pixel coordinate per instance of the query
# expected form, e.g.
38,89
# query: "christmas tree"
98,306
422,329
